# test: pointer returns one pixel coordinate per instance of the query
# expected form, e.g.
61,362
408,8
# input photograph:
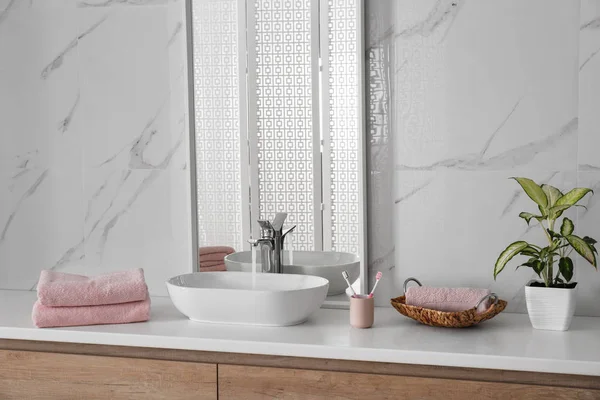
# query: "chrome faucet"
271,243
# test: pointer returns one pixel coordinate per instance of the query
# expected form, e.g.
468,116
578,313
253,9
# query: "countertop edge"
506,343
440,359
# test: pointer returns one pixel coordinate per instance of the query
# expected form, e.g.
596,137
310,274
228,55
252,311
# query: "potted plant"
551,301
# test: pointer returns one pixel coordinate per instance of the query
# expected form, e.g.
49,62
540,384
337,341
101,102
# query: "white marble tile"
381,229
126,89
450,227
49,4
40,218
589,85
107,89
138,218
479,93
133,82
178,78
588,278
122,3
8,7
40,93
485,85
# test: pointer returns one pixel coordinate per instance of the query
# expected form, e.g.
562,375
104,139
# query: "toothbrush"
345,275
377,277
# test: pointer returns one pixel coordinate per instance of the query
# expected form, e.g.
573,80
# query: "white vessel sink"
239,298
326,264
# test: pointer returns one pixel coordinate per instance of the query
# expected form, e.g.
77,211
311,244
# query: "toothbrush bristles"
377,278
345,275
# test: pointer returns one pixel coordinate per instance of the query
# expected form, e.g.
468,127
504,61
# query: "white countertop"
506,342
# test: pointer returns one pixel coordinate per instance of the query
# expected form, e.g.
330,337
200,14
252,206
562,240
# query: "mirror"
277,106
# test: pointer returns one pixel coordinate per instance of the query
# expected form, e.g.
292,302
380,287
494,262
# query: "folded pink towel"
213,268
447,299
46,317
214,253
212,263
59,289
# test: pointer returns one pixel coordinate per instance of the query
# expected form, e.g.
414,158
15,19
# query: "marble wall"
93,139
462,95
468,94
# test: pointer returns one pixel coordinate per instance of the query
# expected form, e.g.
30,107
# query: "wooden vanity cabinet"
34,375
244,382
43,370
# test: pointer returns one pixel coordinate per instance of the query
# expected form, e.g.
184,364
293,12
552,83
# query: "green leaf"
572,197
552,194
565,264
528,216
591,242
583,248
529,253
512,250
534,264
538,267
556,211
567,227
553,234
534,191
555,242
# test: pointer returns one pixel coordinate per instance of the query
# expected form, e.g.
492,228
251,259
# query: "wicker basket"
443,319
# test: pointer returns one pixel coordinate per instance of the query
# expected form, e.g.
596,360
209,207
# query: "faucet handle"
289,230
266,228
278,221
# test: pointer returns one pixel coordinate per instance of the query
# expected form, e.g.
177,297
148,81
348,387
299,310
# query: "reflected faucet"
271,243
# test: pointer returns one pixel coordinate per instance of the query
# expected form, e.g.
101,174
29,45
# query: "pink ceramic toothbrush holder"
362,311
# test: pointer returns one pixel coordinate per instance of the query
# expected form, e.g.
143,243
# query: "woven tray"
443,319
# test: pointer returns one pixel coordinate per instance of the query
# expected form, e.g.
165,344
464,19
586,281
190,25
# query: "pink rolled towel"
47,317
59,289
447,299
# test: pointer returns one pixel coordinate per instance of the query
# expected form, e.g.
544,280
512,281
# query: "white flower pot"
550,308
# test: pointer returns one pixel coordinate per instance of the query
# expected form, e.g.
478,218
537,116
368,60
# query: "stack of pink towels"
212,258
71,300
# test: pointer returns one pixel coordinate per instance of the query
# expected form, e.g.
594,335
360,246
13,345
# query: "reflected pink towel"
447,299
59,289
46,317
213,253
212,263
214,268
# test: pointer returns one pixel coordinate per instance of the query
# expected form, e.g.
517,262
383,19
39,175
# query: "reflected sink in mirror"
247,299
326,264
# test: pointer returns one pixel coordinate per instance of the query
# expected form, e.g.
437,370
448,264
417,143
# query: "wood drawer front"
242,382
35,375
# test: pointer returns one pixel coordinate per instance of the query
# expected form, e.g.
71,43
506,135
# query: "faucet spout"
266,252
271,243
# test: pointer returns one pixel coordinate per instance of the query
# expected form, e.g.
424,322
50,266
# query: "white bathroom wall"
480,91
589,148
93,139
